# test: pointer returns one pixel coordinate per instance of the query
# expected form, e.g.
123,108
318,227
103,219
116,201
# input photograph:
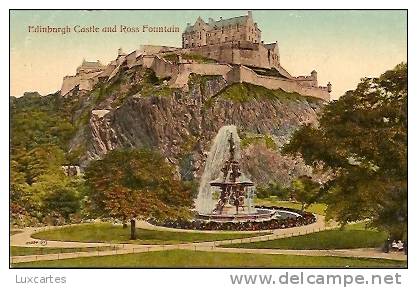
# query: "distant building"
234,30
236,40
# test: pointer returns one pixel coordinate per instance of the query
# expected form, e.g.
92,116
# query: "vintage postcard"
208,139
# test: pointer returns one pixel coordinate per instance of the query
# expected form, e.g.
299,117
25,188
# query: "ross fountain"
224,200
217,155
236,190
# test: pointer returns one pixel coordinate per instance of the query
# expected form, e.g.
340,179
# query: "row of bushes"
305,219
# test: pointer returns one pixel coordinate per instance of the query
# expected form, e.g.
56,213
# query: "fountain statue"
218,154
233,185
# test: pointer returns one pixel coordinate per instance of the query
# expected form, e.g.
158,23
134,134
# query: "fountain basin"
259,214
281,218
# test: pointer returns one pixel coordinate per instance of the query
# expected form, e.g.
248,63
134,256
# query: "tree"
63,199
361,140
305,191
40,131
272,189
131,184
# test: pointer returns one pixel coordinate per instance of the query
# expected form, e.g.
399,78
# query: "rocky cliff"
136,109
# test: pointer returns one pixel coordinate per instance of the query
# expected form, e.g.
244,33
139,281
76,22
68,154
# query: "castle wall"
244,74
69,83
131,59
205,69
164,68
249,54
85,81
180,74
185,70
306,81
86,84
154,49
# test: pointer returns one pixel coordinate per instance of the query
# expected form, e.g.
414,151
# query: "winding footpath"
24,239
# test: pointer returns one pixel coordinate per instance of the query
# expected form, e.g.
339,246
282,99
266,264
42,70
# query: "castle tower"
329,87
314,78
120,52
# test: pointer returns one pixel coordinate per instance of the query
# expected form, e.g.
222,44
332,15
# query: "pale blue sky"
342,46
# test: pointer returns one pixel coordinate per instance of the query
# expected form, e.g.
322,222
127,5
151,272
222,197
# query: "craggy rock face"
181,125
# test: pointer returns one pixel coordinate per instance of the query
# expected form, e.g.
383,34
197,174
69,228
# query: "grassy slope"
243,92
316,208
353,236
184,258
105,232
19,251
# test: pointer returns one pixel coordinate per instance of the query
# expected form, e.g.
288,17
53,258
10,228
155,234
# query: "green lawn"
185,258
316,208
106,232
353,236
20,251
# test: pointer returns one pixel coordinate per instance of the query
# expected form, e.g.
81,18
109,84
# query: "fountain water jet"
219,153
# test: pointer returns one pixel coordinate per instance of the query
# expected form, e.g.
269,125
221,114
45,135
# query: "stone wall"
154,49
249,54
244,74
68,83
185,70
85,81
309,81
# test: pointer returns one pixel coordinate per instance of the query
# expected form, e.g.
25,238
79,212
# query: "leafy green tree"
132,184
361,140
62,198
40,131
272,189
305,191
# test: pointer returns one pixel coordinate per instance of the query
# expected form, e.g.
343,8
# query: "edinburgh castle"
232,48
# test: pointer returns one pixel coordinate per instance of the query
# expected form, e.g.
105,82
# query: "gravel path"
24,239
